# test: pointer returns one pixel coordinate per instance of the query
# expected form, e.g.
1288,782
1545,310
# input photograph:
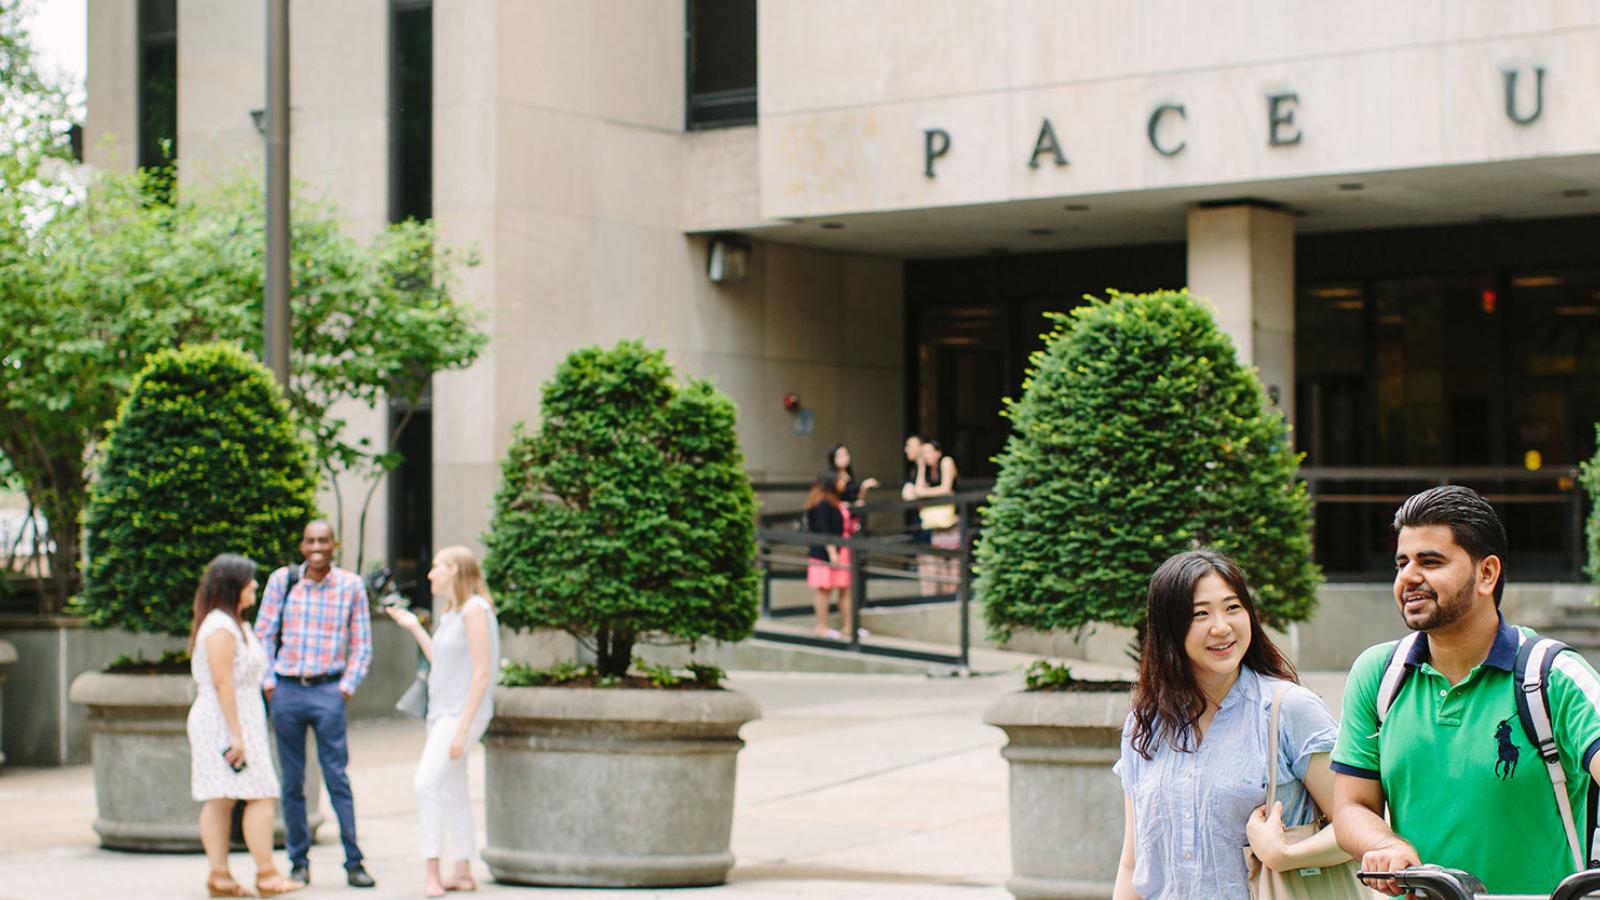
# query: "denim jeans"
320,707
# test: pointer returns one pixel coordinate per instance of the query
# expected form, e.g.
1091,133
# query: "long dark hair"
833,466
1167,702
220,587
824,490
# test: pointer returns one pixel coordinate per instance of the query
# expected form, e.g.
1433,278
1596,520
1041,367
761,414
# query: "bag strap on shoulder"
1272,743
1531,675
1394,673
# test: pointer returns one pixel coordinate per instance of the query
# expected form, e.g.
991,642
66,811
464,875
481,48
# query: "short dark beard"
1444,612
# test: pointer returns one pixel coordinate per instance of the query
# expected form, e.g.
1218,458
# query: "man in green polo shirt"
1464,786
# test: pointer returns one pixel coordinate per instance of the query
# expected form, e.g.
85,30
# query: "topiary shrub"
628,512
1139,435
1589,476
202,459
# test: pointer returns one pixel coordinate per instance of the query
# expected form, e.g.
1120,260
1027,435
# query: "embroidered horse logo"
1506,765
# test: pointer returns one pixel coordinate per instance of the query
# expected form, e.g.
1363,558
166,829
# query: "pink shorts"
822,576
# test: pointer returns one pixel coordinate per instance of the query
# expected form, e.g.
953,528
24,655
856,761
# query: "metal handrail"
967,503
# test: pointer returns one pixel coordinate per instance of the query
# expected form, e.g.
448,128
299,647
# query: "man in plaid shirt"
318,635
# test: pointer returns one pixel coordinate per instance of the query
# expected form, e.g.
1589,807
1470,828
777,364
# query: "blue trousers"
319,707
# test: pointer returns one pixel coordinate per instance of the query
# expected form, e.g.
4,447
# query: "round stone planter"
1066,803
8,655
140,746
612,788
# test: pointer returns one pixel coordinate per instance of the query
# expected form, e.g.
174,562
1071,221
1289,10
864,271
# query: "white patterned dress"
210,775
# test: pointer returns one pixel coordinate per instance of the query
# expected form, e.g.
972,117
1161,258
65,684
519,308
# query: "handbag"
938,518
414,702
1337,882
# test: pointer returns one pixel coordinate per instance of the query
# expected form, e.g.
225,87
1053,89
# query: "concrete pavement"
850,786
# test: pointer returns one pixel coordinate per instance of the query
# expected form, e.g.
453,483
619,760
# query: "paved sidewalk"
850,786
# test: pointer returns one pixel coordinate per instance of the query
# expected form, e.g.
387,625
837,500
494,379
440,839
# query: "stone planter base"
8,655
1063,792
140,745
612,788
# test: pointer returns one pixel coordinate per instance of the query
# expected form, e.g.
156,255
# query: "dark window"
410,487
411,110
971,325
1464,353
158,83
722,63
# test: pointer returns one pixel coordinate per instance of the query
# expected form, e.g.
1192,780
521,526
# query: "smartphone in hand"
237,768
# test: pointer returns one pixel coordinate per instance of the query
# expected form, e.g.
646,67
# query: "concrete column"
1241,259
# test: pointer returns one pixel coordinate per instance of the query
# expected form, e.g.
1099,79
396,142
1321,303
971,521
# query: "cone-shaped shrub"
202,459
628,512
1139,435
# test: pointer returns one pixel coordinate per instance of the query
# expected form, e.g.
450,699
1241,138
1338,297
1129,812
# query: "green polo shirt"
1463,782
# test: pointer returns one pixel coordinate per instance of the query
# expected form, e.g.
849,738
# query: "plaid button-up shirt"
322,628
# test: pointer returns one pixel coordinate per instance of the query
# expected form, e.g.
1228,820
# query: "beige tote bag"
1323,883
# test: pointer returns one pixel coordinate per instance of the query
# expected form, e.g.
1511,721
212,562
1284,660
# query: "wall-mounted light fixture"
258,118
728,261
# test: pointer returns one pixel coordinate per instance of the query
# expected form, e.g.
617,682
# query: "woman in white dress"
460,704
228,751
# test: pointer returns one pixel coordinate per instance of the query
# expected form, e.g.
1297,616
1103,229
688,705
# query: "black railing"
883,553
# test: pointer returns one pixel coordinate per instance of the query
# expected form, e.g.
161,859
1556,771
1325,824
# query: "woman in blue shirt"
1194,748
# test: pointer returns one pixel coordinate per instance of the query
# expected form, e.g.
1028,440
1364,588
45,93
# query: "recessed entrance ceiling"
1524,189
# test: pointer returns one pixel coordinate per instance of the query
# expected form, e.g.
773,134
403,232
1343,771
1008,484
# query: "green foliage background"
1139,435
628,511
90,286
1590,478
202,459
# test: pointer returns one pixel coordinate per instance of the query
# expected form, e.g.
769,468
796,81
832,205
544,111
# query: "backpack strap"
1535,656
1394,673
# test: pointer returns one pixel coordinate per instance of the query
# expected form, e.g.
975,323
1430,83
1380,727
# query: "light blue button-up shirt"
1190,809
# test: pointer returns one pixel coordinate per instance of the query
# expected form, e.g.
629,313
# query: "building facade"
1395,209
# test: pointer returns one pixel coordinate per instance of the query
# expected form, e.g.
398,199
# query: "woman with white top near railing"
462,651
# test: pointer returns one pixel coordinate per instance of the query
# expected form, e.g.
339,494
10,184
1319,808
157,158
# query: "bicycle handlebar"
1439,883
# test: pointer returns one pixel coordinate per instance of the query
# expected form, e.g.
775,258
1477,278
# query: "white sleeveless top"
451,676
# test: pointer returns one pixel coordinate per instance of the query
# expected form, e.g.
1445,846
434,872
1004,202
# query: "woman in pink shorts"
828,568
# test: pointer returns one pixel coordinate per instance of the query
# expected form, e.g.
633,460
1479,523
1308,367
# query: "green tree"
203,458
1139,435
628,512
1590,477
93,286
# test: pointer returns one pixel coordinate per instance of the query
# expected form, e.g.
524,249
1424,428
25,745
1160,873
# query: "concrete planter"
140,746
1066,803
8,655
612,788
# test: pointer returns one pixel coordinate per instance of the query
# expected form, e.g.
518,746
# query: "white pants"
441,784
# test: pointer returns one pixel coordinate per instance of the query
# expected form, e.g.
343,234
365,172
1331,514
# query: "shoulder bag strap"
1394,673
1532,673
1272,745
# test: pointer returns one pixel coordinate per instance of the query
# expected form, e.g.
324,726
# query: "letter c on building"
1155,124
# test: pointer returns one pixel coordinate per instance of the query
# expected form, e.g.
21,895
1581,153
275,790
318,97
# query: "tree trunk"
615,652
62,508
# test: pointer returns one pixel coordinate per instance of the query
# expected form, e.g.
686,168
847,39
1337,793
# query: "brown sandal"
221,884
275,883
461,884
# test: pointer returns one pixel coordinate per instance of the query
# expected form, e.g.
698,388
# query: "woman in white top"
460,704
228,750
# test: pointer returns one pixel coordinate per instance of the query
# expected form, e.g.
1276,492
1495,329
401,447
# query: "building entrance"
1467,354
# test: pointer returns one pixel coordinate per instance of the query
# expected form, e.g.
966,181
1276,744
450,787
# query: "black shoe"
358,877
300,872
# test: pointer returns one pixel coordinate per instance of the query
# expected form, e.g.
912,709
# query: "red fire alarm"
791,402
